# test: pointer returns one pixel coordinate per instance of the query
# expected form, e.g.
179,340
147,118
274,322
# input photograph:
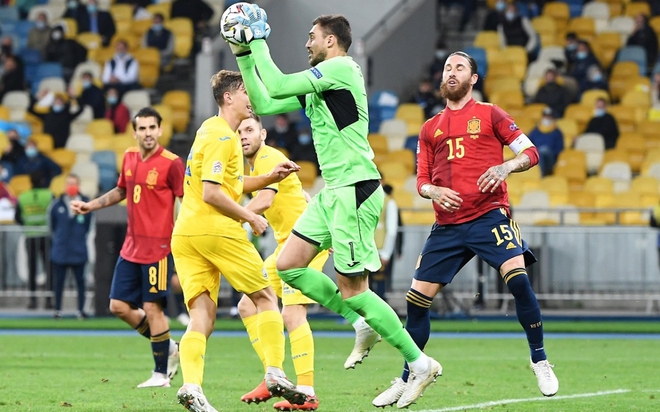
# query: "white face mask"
545,122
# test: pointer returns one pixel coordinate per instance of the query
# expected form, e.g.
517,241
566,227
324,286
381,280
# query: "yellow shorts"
200,260
289,295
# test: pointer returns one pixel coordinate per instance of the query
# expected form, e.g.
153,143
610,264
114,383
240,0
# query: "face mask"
112,100
57,35
31,151
546,122
121,55
304,139
57,108
71,191
571,46
596,77
581,55
6,49
500,6
599,112
72,4
40,24
509,16
91,8
86,84
157,27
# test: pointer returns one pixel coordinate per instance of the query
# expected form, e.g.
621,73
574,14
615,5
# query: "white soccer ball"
231,30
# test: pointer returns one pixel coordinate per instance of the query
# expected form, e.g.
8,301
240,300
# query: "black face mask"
6,49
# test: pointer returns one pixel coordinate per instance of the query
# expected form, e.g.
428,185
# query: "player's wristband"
245,53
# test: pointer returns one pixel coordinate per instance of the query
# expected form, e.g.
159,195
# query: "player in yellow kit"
281,203
209,239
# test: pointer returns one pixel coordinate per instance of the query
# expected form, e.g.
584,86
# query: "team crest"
152,178
474,126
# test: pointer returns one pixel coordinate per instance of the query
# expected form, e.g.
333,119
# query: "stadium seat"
479,56
626,117
4,113
559,12
580,113
535,75
58,184
307,173
584,27
8,15
90,66
605,46
20,184
396,131
136,99
166,124
614,155
134,42
403,156
600,12
140,27
533,207
589,97
53,84
593,145
82,145
622,73
572,164
17,102
121,12
635,146
382,106
620,173
501,85
632,9
487,40
393,171
102,55
598,185
65,158
149,59
649,131
182,29
552,54
100,127
43,141
534,111
546,27
164,8
557,188
636,54
378,143
648,188
179,102
410,113
624,25
91,41
69,26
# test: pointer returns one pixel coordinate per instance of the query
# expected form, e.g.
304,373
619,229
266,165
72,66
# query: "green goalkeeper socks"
382,318
322,289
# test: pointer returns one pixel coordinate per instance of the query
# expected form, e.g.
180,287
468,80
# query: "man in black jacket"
604,124
92,96
96,21
57,120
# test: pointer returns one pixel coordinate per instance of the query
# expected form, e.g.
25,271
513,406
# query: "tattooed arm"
112,197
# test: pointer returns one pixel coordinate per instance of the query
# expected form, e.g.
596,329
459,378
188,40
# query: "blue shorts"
137,283
493,236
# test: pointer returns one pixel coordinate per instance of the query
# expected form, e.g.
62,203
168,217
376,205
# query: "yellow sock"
302,353
251,323
192,349
270,329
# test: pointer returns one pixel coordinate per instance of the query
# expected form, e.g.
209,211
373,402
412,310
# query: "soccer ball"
231,30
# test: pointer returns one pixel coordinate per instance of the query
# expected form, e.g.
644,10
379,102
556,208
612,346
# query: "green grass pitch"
99,373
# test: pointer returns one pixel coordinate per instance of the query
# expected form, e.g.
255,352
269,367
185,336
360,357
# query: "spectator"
96,21
24,7
282,134
57,119
595,80
92,96
7,50
304,149
121,72
655,91
36,162
15,150
388,240
7,200
117,111
12,76
139,11
570,50
604,124
549,141
32,210
585,59
425,97
67,52
39,35
438,64
495,16
644,36
553,94
516,30
161,38
75,10
69,243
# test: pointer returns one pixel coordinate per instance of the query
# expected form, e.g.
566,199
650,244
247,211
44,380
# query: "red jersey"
456,147
151,187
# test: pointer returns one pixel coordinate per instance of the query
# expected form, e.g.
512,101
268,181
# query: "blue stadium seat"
574,7
8,14
45,70
22,28
107,179
411,144
105,159
636,54
382,106
30,56
479,56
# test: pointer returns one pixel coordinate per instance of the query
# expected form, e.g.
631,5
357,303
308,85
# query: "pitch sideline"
523,400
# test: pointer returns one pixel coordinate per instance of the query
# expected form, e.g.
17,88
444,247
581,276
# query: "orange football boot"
257,395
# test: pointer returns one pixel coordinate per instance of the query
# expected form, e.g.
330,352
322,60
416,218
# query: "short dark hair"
225,81
147,112
470,59
87,73
160,15
337,25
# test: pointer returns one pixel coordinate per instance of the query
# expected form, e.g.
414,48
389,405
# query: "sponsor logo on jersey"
217,167
474,126
437,133
129,173
316,72
222,139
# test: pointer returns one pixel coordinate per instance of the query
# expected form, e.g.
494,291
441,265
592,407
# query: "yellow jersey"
289,203
216,156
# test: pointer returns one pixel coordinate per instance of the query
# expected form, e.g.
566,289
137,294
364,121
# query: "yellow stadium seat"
166,124
418,217
572,164
57,185
70,27
133,42
487,40
43,141
123,26
616,7
508,100
4,113
559,12
639,100
649,131
614,155
307,173
626,117
632,9
569,128
103,54
140,27
182,29
630,200
635,147
121,12
526,124
64,158
20,184
558,189
179,102
91,41
4,142
655,24
403,156
546,27
410,113
392,171
580,113
149,59
597,185
534,111
164,8
606,45
378,143
102,142
100,127
622,72
645,185
501,85
584,27
589,97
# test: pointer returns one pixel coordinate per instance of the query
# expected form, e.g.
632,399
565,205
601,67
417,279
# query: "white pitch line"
540,399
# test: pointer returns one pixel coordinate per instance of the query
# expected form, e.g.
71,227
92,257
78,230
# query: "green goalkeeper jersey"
335,100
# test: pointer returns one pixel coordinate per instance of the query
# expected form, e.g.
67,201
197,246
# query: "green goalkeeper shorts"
345,219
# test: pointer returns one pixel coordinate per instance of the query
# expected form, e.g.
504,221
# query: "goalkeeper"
345,213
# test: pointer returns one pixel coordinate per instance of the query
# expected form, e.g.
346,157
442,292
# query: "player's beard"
457,93
317,58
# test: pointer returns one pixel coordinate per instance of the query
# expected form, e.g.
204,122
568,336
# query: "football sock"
418,322
382,318
251,326
270,330
302,354
143,328
160,346
316,285
192,349
527,310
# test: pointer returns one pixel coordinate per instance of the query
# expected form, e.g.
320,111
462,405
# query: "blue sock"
160,346
418,322
528,311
